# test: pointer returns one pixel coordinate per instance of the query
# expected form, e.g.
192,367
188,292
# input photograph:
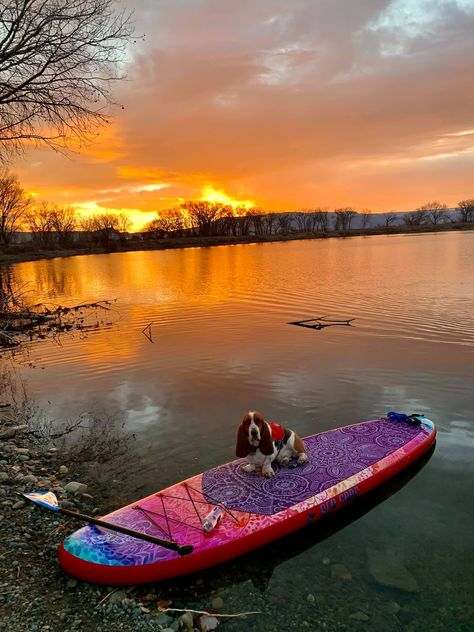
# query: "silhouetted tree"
321,218
366,218
101,227
39,220
270,223
123,225
466,211
50,223
301,221
344,217
435,212
64,222
390,218
171,221
57,61
256,218
203,214
415,218
13,206
284,223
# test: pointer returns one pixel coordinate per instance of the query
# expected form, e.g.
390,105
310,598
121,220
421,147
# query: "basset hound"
262,443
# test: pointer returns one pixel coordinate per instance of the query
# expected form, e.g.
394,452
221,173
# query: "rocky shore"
35,594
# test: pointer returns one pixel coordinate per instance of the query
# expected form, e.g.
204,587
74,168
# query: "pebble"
326,561
4,477
387,569
67,504
75,487
22,451
208,623
71,583
217,603
392,607
187,621
63,470
359,616
339,571
30,478
117,597
311,599
7,434
19,504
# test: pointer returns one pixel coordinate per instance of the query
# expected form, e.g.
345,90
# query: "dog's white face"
255,423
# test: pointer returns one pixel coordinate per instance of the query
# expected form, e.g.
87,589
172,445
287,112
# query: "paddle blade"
45,499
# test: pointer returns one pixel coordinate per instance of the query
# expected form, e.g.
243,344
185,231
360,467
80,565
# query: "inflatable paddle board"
226,512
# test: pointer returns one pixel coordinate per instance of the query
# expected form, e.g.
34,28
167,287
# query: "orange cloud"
289,105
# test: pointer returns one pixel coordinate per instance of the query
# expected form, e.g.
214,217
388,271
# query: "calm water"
222,345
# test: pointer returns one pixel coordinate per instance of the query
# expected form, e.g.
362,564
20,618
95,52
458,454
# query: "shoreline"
16,255
35,591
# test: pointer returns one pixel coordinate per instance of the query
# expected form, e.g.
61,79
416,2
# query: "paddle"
49,500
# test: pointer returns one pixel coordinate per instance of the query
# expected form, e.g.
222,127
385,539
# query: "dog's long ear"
243,446
266,442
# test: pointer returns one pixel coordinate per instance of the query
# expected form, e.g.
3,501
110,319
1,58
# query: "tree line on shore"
211,218
52,225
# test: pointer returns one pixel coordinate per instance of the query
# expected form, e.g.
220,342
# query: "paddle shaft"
173,546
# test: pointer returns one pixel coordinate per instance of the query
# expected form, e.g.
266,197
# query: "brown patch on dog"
299,445
242,448
266,441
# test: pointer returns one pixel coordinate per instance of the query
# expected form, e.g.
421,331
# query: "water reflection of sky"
222,345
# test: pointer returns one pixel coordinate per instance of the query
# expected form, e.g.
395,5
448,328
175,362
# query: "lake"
221,345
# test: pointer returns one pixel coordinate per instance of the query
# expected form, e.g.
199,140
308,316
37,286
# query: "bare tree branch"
57,61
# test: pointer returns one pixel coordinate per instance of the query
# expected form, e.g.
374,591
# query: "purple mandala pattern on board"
333,456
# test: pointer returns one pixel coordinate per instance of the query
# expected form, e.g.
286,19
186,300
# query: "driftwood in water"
146,331
20,324
320,322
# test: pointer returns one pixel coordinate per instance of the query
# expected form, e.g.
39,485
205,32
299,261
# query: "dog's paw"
268,472
284,461
303,458
250,467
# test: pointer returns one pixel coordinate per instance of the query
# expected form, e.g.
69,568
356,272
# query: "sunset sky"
287,104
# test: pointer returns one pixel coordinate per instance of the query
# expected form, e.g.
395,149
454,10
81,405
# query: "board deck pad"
343,464
332,457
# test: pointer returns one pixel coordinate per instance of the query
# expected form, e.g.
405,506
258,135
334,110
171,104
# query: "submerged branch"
320,322
19,323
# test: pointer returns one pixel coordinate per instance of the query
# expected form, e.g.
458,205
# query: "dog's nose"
254,432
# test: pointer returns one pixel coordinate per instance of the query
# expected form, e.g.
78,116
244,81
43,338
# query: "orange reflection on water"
198,298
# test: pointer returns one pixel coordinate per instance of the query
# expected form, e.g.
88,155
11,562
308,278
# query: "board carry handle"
49,500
